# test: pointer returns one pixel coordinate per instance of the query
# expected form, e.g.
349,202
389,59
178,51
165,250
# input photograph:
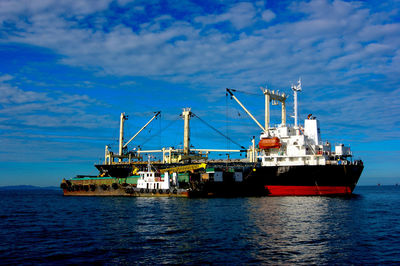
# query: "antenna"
295,89
298,86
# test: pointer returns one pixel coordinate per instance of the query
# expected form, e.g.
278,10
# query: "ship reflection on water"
258,230
308,230
311,230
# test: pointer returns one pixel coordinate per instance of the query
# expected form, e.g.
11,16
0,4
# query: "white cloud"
125,2
319,9
12,95
330,36
268,15
5,77
369,114
337,42
240,15
10,8
47,109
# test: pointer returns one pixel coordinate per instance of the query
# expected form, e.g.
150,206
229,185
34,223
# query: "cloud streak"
329,32
340,43
46,109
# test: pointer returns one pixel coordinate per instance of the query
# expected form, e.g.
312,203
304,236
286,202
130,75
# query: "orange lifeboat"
269,143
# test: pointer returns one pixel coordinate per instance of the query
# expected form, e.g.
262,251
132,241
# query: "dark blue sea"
44,227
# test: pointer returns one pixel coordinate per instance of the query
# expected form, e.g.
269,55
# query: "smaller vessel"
152,183
178,173
148,183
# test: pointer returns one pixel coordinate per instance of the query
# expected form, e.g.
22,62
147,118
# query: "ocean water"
44,227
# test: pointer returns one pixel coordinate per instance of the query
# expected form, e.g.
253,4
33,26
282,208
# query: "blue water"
44,227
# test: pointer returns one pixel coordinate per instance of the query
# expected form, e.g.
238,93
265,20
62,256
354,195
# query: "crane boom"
180,169
156,114
244,108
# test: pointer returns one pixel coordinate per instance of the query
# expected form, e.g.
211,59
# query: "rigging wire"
227,119
196,132
219,132
159,126
159,132
245,92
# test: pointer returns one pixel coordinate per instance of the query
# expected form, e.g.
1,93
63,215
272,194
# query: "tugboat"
148,183
152,183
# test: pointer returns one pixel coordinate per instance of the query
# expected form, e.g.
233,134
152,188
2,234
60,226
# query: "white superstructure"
285,145
151,180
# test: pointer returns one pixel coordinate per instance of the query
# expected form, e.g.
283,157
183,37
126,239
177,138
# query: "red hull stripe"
307,190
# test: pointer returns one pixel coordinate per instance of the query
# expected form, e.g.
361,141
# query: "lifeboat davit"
270,143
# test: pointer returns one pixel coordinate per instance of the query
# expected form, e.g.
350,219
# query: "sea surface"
44,227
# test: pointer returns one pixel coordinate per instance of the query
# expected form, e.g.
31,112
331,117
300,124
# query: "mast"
123,117
148,164
295,107
106,155
283,113
267,100
276,97
186,130
295,89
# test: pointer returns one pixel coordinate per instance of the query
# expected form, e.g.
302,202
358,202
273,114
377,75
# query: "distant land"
28,187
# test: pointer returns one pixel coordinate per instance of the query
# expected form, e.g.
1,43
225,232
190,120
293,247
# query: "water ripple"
47,228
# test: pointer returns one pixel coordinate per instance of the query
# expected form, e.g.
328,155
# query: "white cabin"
285,145
299,145
153,180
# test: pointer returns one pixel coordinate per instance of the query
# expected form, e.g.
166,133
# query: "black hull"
269,180
309,180
115,170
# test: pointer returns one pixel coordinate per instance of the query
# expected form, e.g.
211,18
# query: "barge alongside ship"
288,161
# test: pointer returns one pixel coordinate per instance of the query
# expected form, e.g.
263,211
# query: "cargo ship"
294,161
287,161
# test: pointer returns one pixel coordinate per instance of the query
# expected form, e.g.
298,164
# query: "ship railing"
343,162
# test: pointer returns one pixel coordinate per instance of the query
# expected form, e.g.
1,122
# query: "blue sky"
69,68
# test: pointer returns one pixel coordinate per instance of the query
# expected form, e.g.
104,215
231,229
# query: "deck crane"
185,168
109,156
230,91
155,115
273,96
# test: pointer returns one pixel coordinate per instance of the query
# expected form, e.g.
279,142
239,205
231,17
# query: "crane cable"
219,132
158,132
245,92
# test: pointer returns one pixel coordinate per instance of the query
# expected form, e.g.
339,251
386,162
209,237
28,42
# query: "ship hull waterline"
264,181
309,180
